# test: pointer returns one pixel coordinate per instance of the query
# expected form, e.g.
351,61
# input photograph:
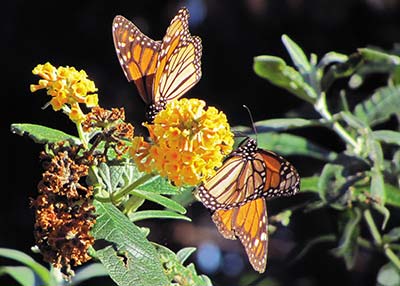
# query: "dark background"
78,33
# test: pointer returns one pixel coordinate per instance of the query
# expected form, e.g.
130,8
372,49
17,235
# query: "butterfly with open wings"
236,196
161,70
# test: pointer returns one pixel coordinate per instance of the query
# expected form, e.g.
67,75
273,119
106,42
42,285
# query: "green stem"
392,256
124,191
321,107
372,227
82,136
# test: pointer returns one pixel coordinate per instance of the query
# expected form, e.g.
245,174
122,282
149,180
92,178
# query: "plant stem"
392,256
124,191
82,135
372,227
321,107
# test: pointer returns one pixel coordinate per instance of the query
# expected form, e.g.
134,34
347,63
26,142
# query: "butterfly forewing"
249,223
137,54
179,67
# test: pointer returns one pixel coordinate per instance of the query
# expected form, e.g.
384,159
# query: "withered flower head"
63,209
112,127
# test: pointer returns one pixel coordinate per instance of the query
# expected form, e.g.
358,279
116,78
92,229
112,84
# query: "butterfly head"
247,148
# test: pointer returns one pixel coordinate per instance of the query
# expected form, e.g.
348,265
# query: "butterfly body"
237,194
161,70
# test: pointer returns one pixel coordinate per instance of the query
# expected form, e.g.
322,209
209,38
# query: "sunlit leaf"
22,274
380,106
128,256
297,55
42,134
25,259
277,124
388,275
387,136
184,253
159,199
276,71
158,214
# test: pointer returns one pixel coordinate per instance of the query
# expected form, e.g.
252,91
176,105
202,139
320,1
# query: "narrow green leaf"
392,236
87,272
25,259
159,185
340,66
151,214
331,182
128,256
392,195
22,274
348,246
378,56
377,185
276,71
177,272
387,136
277,124
296,53
183,254
309,184
388,275
289,144
159,199
380,106
42,134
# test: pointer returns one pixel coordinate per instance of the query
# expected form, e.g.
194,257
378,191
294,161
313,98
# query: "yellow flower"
68,87
187,142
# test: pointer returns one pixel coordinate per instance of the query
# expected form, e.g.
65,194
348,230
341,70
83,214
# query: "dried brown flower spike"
63,209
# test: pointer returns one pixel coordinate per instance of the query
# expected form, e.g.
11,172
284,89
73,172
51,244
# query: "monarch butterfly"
161,70
236,195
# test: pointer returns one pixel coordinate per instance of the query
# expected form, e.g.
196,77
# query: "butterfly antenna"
253,125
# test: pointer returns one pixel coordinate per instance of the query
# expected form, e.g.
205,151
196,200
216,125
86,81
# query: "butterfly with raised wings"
237,194
161,70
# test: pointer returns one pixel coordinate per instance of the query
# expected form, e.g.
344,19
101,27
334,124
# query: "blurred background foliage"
78,33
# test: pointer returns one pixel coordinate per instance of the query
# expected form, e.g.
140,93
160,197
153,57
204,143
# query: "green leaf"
331,182
340,66
277,124
377,185
164,201
348,246
392,195
42,134
373,55
392,236
22,274
178,273
150,214
309,184
380,106
387,136
388,275
159,185
25,259
183,254
276,71
87,272
128,256
298,57
288,144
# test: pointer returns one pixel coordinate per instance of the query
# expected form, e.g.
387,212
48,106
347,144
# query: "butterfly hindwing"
249,223
247,174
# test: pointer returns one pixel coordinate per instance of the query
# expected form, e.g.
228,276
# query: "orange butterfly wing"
137,54
247,174
179,65
249,223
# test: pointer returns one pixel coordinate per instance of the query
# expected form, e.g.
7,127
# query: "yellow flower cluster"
188,142
68,88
